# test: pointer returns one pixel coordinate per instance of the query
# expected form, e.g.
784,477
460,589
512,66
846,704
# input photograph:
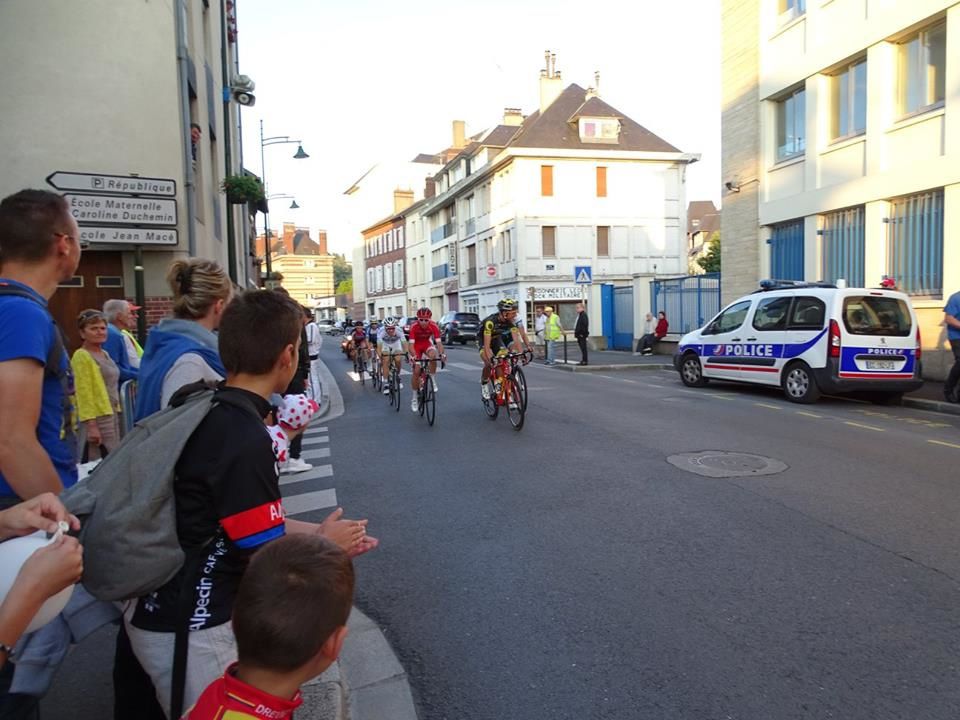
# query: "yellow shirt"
91,392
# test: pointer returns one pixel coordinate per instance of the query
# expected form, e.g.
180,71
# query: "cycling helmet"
374,321
390,322
358,323
507,304
424,313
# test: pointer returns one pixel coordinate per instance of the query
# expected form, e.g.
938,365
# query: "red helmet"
424,313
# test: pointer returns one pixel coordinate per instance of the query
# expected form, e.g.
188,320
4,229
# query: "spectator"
662,328
183,349
314,343
39,249
121,344
582,331
649,336
951,317
298,385
539,325
97,380
290,621
228,499
552,333
196,133
45,573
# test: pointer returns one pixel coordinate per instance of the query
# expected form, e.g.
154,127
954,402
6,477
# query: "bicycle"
393,383
427,394
376,371
359,363
510,389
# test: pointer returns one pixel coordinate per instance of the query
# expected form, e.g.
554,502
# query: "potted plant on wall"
242,189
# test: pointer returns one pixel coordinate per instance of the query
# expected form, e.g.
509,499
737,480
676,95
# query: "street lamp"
293,205
299,155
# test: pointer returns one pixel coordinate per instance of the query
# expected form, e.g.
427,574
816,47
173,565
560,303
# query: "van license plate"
881,365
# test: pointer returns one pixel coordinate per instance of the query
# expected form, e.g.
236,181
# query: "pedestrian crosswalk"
300,494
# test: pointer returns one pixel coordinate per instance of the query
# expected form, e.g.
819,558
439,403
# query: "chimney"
550,83
459,134
596,82
402,199
429,187
322,242
512,117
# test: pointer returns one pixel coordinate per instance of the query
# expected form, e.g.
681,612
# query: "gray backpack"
126,506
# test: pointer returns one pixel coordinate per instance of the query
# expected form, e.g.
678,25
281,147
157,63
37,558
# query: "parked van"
809,338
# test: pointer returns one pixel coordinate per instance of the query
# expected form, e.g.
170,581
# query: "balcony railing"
441,271
470,226
442,233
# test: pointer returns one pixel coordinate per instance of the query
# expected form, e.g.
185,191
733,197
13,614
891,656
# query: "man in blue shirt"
39,249
951,317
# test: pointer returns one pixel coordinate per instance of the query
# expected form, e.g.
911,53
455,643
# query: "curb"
573,367
938,406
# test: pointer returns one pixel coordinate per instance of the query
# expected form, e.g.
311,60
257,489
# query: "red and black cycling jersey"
358,334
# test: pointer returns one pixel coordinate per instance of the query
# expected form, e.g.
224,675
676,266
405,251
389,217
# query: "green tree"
345,287
342,270
711,261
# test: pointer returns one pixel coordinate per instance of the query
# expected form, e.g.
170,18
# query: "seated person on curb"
390,340
357,340
228,502
494,333
290,620
425,340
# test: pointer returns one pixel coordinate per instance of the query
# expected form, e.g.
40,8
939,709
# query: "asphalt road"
570,571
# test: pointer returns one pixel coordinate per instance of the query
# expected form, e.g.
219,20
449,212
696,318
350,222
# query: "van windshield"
874,315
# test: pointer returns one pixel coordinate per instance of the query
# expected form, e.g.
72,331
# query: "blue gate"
616,312
689,302
786,251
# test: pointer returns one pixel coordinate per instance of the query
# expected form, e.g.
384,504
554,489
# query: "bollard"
564,348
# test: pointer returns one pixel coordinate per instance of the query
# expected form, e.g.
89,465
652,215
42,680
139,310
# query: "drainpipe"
227,147
183,78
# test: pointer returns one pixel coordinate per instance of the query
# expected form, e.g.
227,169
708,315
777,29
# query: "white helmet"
390,322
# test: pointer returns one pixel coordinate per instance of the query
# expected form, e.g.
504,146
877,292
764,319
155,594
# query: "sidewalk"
929,397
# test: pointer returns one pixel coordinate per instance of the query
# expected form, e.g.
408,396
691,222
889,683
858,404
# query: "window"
791,130
548,243
807,314
771,313
507,244
109,281
388,276
842,246
603,241
868,315
922,67
546,180
400,234
790,9
786,250
601,182
848,93
729,320
379,278
398,274
599,130
915,243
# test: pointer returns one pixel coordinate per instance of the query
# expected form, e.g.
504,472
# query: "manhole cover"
719,464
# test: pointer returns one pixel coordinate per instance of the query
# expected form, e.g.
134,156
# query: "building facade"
305,264
120,145
385,266
841,149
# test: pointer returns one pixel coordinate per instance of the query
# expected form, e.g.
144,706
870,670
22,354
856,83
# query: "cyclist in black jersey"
496,332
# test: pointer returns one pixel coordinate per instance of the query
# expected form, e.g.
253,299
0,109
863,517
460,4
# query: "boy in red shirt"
290,620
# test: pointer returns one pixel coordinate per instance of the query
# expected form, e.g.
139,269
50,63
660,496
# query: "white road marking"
314,454
865,427
296,504
808,414
768,406
319,471
315,440
941,442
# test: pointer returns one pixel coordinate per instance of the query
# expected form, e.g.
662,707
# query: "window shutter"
546,180
601,182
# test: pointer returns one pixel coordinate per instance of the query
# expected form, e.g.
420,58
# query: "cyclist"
357,340
425,341
390,339
498,331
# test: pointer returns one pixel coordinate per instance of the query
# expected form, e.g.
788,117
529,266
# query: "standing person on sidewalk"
314,343
98,386
552,333
121,345
582,331
951,317
539,325
298,385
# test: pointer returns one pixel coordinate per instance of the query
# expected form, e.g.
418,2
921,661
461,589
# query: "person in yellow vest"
96,378
552,333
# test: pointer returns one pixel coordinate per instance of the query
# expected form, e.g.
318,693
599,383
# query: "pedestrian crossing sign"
582,274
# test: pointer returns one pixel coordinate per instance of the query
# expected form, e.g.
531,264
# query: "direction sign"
119,184
115,235
491,270
582,274
122,210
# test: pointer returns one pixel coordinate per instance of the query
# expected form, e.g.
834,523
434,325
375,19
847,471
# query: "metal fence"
689,302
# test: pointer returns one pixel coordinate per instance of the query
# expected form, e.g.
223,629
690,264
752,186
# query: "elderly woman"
97,380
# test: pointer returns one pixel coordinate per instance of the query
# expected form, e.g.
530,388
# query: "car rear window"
876,315
467,317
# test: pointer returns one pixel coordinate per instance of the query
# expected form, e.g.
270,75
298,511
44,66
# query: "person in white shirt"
314,343
539,325
391,340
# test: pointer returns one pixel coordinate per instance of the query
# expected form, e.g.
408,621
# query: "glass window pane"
836,105
910,76
936,46
859,97
800,117
843,104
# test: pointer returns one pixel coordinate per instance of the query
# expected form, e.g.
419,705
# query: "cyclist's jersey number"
499,331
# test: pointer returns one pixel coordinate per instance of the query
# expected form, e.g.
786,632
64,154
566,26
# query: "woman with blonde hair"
97,383
183,349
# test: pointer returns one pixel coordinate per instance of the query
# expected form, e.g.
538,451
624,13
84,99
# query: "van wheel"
691,372
799,385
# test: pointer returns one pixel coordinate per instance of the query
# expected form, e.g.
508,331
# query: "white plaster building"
574,185
852,167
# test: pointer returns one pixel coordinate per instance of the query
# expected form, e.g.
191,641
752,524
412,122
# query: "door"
99,278
723,342
623,318
761,361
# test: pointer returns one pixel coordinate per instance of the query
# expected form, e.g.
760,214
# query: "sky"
362,81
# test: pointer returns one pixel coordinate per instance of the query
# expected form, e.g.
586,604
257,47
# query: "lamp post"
293,205
299,155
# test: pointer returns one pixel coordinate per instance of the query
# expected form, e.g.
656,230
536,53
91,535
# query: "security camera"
247,99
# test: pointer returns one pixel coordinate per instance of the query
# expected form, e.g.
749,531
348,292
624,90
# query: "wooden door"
98,278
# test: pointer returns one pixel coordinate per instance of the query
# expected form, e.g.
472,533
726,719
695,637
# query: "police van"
809,338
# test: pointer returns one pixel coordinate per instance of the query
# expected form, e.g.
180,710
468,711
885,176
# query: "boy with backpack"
226,502
290,620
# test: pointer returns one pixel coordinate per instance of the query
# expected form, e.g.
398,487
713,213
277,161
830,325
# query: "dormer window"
599,130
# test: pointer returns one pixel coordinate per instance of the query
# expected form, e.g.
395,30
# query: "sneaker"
414,405
386,391
296,465
485,390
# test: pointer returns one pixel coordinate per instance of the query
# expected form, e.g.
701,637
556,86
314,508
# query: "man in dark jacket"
581,332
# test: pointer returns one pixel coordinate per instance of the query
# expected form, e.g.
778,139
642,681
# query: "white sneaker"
296,465
485,390
386,390
414,405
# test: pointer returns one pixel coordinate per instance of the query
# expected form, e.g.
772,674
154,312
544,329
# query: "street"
570,571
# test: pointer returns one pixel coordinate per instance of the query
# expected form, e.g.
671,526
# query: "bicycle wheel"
514,400
361,368
490,404
521,381
428,405
395,389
